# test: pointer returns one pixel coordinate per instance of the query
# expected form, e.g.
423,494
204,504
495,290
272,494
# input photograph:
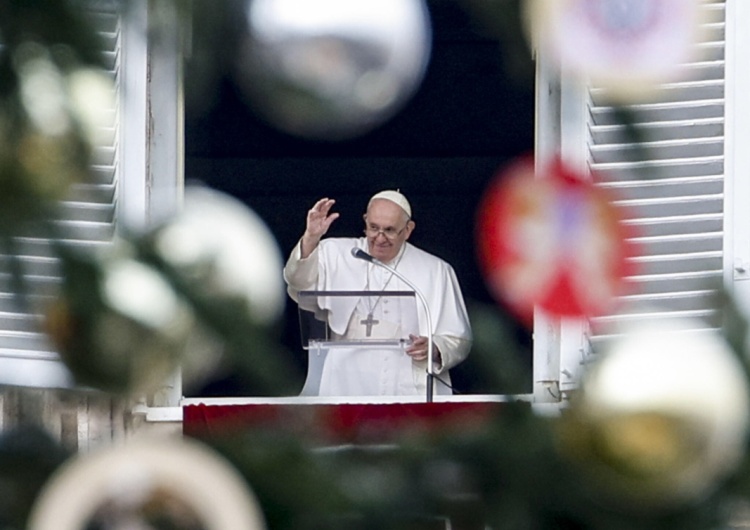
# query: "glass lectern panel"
357,318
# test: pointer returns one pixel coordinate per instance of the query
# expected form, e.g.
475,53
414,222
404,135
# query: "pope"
327,264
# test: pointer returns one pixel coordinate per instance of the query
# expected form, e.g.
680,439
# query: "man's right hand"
318,222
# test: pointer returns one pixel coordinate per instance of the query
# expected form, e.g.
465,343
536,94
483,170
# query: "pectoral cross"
368,323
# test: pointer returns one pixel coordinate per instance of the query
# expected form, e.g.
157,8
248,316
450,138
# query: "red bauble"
553,240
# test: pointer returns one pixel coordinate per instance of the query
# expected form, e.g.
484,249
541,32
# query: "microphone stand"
361,254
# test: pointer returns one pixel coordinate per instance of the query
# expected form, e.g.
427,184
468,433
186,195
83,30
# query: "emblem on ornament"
552,239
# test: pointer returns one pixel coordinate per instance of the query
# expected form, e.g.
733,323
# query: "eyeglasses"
389,233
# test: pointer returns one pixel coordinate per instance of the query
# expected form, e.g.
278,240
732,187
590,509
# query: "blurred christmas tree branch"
508,470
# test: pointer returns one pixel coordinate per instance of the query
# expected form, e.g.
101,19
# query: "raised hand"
319,220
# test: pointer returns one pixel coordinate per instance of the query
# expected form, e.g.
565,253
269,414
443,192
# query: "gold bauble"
661,418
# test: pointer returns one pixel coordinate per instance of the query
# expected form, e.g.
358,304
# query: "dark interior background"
473,112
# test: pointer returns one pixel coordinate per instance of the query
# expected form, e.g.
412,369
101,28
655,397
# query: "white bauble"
226,250
181,481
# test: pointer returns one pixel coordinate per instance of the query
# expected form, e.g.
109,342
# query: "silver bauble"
332,69
661,418
225,251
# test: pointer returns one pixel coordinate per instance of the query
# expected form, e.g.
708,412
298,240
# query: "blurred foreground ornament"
117,323
225,262
661,418
167,483
333,69
204,284
625,46
224,251
553,241
48,129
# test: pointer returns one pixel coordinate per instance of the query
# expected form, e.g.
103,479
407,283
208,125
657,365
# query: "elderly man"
328,265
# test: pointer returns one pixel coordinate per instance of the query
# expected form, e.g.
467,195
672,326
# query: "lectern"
329,325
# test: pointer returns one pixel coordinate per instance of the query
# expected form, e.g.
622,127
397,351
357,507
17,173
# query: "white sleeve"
301,274
453,350
452,334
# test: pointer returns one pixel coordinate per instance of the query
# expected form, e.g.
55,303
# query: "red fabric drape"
340,423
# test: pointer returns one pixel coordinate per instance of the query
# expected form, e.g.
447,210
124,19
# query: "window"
685,187
139,180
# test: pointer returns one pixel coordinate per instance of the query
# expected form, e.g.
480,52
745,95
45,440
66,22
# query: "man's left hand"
417,350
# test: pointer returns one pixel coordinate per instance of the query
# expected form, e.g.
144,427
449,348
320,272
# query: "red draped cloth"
337,423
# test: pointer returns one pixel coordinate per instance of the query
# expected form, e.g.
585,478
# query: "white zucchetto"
395,197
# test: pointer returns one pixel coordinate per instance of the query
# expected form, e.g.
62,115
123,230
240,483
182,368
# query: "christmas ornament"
199,287
56,104
91,99
626,46
44,149
117,324
553,240
223,250
661,418
164,483
332,69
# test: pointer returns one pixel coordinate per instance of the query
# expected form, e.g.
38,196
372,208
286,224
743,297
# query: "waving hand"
319,220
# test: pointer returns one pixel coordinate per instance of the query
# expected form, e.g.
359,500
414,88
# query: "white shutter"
672,187
88,214
671,183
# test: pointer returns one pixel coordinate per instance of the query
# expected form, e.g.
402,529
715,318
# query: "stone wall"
80,421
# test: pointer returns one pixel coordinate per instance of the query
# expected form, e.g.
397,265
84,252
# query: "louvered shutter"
671,185
88,215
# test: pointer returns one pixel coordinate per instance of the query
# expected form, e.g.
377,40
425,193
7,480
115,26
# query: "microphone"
361,254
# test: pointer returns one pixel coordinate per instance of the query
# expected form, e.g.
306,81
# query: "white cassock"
331,267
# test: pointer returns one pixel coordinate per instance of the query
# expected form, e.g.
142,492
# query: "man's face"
387,227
